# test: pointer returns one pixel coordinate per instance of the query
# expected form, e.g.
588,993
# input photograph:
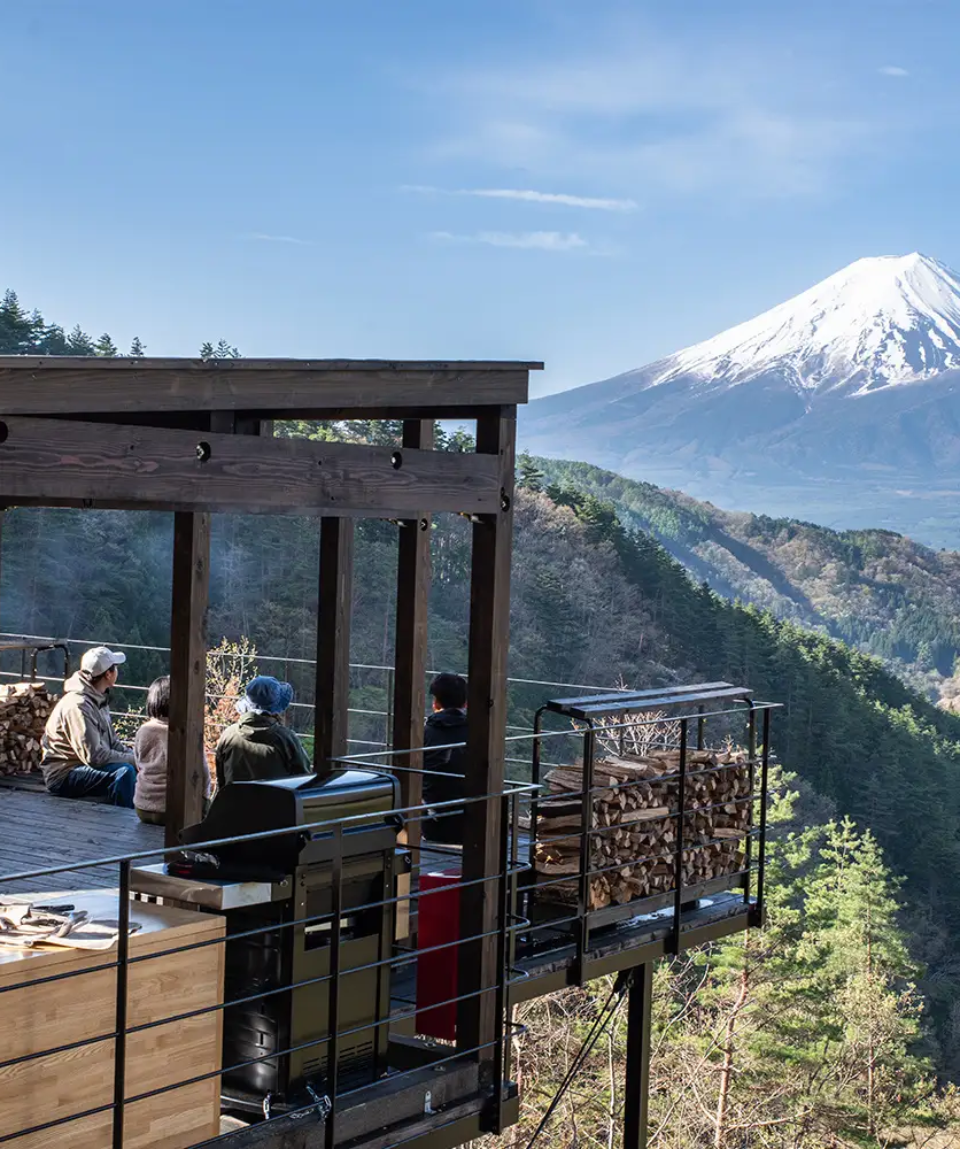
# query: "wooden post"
410,651
334,607
3,515
477,1022
188,672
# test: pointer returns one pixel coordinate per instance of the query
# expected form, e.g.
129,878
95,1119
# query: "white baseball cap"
99,659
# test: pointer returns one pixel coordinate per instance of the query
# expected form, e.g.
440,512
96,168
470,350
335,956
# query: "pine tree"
80,343
137,349
16,326
223,350
856,950
529,474
105,347
459,441
53,341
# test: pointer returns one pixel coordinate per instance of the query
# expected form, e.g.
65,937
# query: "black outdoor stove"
310,908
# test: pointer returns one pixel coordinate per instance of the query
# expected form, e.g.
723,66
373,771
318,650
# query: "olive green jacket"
257,748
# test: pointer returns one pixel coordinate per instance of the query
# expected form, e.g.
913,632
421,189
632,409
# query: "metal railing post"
681,813
388,731
586,841
751,774
333,1008
503,912
120,1041
534,804
762,838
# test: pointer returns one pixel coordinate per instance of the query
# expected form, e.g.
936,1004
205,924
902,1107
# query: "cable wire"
604,1018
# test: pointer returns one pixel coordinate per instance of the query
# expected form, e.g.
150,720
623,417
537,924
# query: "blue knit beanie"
266,695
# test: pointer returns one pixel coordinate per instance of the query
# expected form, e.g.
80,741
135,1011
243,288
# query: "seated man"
82,755
259,747
445,726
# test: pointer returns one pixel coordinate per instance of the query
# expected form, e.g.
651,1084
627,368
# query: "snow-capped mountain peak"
881,321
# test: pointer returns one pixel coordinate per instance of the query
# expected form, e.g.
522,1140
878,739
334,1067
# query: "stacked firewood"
635,811
24,710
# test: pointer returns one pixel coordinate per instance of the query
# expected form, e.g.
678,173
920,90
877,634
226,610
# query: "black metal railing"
327,1106
522,938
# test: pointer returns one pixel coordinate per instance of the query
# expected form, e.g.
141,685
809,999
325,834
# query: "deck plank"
38,830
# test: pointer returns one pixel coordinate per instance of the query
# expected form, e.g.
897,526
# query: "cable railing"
381,718
367,1023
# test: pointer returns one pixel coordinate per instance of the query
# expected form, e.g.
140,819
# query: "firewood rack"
31,650
684,705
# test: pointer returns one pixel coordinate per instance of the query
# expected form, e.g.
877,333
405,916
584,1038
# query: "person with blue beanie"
259,746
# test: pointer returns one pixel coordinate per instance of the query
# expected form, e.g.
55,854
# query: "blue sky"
586,182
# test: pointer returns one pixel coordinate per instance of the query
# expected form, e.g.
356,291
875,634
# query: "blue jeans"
114,783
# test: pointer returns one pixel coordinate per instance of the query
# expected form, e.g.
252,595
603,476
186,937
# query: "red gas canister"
438,924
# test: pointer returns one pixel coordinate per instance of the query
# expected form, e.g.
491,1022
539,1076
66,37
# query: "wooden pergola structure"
196,436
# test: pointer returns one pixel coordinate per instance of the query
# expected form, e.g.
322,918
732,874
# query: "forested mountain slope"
592,601
876,590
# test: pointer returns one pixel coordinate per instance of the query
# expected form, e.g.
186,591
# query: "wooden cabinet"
41,1016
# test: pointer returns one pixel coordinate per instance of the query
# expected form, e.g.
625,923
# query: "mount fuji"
842,403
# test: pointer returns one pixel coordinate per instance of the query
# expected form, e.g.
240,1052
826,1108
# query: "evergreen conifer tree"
16,326
105,347
223,350
529,474
53,341
137,349
80,343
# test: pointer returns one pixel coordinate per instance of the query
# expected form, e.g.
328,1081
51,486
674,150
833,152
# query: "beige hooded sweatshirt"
80,733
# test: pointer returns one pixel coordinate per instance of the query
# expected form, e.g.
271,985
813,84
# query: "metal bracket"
323,1104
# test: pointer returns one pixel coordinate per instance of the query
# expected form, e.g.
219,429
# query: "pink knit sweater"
150,748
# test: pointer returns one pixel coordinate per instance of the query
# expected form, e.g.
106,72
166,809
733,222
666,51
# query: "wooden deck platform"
38,830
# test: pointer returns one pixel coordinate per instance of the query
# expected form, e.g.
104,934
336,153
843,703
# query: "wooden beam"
188,672
410,649
62,462
477,1023
394,413
334,609
64,385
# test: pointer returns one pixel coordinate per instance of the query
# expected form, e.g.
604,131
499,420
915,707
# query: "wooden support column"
410,651
334,608
3,516
636,1097
477,1021
188,672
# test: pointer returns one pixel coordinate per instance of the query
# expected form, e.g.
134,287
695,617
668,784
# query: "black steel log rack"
685,705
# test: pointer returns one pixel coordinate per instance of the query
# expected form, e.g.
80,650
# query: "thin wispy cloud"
528,195
264,237
893,70
661,113
529,240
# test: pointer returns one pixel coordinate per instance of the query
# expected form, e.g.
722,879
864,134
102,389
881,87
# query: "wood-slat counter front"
51,1014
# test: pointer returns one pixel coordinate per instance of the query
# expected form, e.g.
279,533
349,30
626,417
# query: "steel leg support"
637,1091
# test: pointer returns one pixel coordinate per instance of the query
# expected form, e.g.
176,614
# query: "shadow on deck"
40,830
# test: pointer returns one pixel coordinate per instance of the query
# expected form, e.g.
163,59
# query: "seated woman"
150,748
259,747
